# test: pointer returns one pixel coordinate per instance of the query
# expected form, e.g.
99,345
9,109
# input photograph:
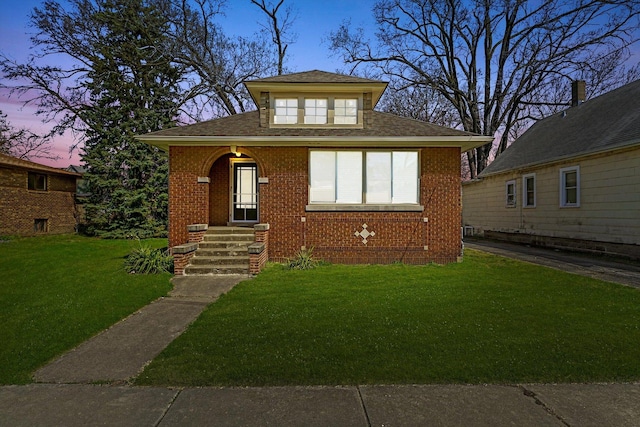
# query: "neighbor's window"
570,187
315,111
286,111
40,225
363,177
345,111
37,181
529,191
511,193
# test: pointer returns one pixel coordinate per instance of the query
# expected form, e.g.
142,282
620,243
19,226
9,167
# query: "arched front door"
244,191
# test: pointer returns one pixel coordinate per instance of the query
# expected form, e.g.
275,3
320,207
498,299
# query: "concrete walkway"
122,351
88,386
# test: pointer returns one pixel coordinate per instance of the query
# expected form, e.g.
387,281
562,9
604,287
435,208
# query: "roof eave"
624,146
376,88
464,142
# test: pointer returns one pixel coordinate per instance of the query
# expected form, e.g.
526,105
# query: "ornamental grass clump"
303,260
146,260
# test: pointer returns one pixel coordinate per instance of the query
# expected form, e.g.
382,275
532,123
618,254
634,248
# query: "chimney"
578,92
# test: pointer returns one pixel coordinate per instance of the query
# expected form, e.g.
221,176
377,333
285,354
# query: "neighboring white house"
571,180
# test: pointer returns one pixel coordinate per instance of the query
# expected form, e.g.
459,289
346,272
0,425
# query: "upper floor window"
345,111
570,187
37,181
315,111
369,177
529,191
511,193
286,111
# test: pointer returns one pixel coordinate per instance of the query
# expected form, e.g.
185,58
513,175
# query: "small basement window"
37,181
40,225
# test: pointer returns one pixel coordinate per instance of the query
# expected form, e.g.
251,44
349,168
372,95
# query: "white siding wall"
609,201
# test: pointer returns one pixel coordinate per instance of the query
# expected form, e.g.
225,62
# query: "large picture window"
363,177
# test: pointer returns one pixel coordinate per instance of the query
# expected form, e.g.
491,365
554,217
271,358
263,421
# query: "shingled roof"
315,76
247,125
382,130
14,162
607,122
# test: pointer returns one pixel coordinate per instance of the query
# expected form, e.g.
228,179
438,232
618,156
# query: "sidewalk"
88,386
441,405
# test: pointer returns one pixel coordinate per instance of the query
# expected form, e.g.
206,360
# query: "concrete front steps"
223,250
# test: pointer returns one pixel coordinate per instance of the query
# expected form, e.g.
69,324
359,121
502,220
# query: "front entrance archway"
233,191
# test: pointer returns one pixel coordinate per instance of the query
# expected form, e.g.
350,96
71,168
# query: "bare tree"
23,143
216,65
495,62
278,28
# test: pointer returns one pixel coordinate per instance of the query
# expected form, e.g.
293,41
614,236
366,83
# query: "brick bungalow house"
316,167
35,198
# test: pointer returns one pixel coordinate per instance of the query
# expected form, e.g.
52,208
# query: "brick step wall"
223,250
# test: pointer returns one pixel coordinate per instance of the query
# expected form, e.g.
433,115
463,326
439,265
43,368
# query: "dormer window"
345,111
315,111
286,111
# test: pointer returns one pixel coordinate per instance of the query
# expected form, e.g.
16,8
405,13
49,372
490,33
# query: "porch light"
235,151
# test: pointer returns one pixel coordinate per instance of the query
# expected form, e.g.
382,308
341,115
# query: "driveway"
601,267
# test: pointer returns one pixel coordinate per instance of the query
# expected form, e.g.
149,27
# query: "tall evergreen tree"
134,88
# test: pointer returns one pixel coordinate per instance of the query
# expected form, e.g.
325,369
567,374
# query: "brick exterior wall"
411,237
219,191
20,207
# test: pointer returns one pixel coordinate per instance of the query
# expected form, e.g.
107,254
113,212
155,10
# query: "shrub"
303,260
146,260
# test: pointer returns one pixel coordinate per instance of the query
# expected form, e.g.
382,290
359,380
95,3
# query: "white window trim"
333,206
562,180
330,117
287,107
524,190
313,117
515,193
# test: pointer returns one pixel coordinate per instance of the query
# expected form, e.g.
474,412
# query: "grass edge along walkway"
488,319
58,291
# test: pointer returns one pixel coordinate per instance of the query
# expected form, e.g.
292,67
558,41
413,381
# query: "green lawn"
486,320
57,291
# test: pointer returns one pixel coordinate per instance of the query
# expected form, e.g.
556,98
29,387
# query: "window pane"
315,111
323,177
286,111
345,111
349,171
570,179
530,191
246,187
571,196
378,177
405,177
